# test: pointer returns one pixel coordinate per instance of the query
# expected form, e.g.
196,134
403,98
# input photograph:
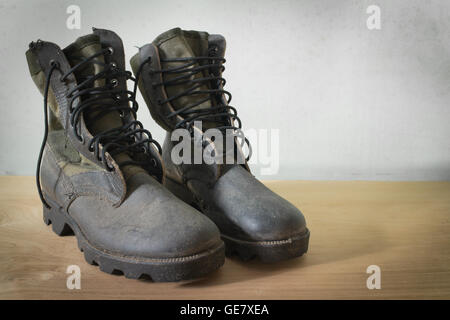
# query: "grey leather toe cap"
151,223
243,207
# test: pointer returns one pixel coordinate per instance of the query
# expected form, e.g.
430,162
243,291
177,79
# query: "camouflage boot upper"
180,77
100,172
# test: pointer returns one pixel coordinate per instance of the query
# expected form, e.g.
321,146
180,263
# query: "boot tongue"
177,43
84,47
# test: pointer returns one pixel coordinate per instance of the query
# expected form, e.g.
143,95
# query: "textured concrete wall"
349,102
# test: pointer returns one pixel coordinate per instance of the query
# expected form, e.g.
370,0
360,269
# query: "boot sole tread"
154,269
267,251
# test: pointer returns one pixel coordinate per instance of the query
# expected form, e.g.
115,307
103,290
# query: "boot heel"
181,191
56,218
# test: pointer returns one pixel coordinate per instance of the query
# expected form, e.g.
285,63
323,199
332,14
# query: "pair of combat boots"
101,176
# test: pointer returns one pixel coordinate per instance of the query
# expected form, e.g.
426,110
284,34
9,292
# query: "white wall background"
350,103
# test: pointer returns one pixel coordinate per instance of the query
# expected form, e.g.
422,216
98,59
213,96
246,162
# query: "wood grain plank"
403,227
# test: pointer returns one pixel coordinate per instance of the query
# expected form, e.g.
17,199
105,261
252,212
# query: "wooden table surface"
403,227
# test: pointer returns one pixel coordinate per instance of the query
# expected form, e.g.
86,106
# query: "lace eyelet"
113,65
54,63
153,162
122,114
213,51
114,83
80,138
110,50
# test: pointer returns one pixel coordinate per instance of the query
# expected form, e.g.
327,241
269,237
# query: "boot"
180,77
100,173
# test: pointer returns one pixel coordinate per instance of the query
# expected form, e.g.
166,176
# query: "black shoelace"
222,113
97,102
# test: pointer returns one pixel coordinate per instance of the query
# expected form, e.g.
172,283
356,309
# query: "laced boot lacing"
95,103
222,113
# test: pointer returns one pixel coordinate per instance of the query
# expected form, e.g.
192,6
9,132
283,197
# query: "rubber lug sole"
155,269
267,251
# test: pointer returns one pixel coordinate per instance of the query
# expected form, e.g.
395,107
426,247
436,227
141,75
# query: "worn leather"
241,206
151,222
63,188
137,217
46,52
